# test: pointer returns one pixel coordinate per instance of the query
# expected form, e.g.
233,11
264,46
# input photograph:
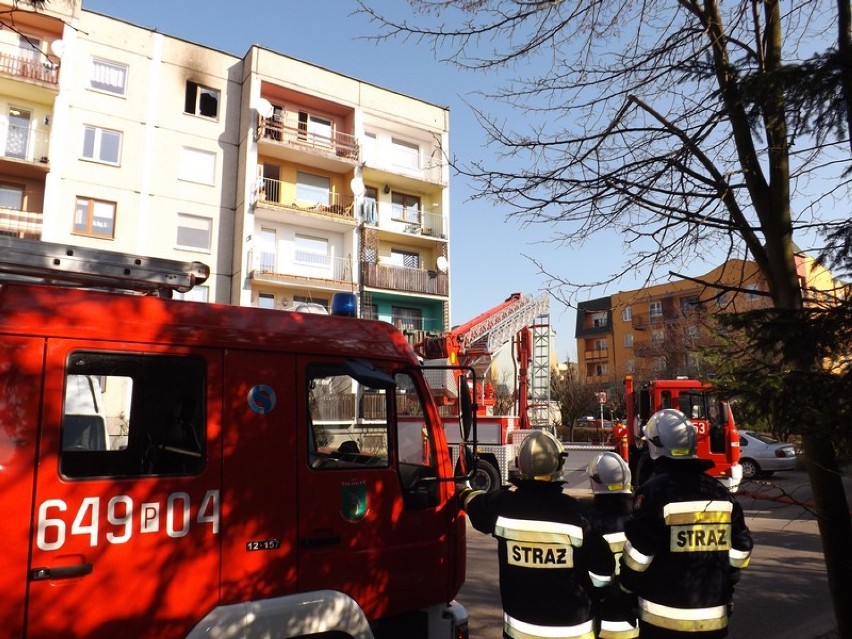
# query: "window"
349,410
407,318
29,47
658,337
266,300
688,305
630,366
128,415
627,313
197,165
655,309
660,363
18,133
600,345
692,332
94,217
11,197
628,340
315,129
405,208
405,154
752,294
599,320
311,250
194,232
600,370
406,259
268,250
369,311
110,77
101,145
195,294
201,100
369,146
313,189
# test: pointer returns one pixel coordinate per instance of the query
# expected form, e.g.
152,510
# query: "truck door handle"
315,542
62,572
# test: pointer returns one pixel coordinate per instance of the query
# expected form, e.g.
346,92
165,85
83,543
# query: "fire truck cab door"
125,535
358,530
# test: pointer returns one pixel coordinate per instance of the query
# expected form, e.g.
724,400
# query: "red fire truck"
178,469
718,439
522,320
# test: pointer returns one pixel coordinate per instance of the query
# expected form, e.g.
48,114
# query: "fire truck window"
665,399
128,415
348,419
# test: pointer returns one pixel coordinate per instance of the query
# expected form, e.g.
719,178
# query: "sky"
487,251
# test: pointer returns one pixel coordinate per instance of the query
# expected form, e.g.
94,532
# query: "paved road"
783,594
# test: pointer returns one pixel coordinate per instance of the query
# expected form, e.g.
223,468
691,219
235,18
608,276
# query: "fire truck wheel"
485,477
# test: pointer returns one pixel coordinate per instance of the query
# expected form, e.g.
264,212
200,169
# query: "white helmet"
670,434
540,456
609,474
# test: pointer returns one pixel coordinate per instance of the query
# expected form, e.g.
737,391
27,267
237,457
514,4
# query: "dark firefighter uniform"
608,516
686,543
551,562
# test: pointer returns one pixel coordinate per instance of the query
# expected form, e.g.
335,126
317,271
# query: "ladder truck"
182,470
522,321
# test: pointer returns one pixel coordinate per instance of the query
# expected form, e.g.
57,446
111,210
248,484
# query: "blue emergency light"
344,305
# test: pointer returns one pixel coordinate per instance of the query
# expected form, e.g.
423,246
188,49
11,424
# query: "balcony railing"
306,266
415,221
290,132
21,223
399,278
597,353
20,64
280,194
24,143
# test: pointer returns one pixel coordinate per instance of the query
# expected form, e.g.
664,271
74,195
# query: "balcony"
305,268
383,162
410,280
410,221
20,64
335,150
596,354
21,223
274,193
23,144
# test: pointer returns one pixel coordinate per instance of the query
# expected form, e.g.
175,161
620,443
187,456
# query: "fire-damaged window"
129,415
201,100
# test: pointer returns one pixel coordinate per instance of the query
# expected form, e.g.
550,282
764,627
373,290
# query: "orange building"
659,331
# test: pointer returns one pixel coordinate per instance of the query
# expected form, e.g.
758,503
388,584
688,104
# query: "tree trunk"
835,526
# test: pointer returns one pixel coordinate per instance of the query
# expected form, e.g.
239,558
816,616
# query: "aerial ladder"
521,320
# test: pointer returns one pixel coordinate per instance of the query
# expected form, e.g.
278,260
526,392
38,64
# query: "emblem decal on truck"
261,399
353,500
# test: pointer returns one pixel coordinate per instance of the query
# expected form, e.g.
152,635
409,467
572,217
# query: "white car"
761,455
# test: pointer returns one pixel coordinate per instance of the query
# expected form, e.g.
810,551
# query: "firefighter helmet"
540,456
608,474
670,434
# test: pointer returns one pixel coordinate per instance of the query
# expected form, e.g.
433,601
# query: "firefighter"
686,539
552,565
612,500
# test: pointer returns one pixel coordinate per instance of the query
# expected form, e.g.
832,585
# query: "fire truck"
171,468
521,321
718,439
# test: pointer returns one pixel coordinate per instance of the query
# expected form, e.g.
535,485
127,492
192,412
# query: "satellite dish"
264,108
357,186
57,48
441,263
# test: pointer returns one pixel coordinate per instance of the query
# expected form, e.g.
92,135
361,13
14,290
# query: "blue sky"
487,251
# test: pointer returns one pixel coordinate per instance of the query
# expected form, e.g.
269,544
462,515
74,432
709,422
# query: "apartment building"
291,181
659,331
